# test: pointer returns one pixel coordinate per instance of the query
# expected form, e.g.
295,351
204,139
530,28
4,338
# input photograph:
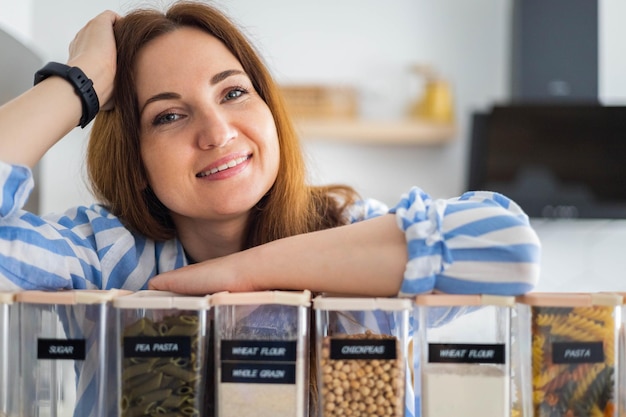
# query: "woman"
201,184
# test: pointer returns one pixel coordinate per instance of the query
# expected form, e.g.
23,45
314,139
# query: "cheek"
156,164
272,144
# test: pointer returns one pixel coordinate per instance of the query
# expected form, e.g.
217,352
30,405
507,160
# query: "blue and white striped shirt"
480,242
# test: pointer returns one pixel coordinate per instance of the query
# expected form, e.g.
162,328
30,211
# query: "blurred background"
401,93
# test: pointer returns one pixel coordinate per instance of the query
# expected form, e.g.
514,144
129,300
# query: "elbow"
522,270
507,267
525,277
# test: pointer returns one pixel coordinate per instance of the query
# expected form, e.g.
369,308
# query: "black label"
259,373
157,347
577,352
73,349
258,351
466,353
363,349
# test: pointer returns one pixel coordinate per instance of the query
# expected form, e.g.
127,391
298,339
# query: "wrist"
83,87
239,273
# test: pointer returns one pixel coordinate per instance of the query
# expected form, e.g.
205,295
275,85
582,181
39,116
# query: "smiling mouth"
230,164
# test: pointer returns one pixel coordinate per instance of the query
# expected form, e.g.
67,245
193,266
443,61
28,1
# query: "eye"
235,93
166,118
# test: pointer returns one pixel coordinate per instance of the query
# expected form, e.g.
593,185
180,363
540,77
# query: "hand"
93,50
206,277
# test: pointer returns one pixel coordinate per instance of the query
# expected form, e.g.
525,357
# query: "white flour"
467,390
259,400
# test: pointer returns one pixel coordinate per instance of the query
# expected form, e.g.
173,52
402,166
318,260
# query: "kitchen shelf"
399,132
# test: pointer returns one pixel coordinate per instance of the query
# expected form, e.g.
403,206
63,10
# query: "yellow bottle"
436,104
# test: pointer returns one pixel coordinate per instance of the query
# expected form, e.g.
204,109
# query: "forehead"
183,54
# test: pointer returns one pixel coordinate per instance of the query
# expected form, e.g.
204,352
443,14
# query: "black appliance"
555,160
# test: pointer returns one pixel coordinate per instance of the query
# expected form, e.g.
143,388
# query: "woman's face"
208,140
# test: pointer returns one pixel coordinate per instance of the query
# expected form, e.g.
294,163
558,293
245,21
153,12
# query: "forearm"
365,258
33,122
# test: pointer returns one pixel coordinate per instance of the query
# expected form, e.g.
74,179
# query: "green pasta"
138,327
184,391
189,411
138,381
174,401
152,383
180,362
182,374
168,385
163,329
182,330
154,396
136,370
139,410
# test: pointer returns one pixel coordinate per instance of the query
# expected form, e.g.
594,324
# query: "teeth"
230,164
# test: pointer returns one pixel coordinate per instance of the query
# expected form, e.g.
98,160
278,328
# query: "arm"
478,243
34,121
366,258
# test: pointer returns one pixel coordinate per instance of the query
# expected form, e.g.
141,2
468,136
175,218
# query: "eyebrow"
221,76
157,97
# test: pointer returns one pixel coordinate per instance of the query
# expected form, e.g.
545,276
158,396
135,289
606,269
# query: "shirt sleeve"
17,184
478,243
82,248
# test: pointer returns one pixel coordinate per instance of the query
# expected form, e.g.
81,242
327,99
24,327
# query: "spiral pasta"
578,388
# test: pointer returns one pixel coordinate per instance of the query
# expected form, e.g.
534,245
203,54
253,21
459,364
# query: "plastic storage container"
262,353
362,361
9,355
464,344
163,354
570,353
65,356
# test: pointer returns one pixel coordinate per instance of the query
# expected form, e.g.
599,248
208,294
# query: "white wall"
16,18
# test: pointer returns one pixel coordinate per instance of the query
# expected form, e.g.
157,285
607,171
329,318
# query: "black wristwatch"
83,87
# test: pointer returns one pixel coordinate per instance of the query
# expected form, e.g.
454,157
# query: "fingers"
93,50
97,32
203,278
186,280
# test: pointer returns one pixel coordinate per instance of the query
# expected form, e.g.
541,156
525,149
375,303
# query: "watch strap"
83,87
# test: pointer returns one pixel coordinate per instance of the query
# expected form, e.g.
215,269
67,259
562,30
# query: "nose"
215,128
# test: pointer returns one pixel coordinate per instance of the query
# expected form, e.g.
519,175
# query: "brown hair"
117,174
114,165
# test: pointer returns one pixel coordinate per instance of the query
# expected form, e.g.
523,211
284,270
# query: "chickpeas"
362,387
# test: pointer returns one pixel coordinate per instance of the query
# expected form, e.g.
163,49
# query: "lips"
224,166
